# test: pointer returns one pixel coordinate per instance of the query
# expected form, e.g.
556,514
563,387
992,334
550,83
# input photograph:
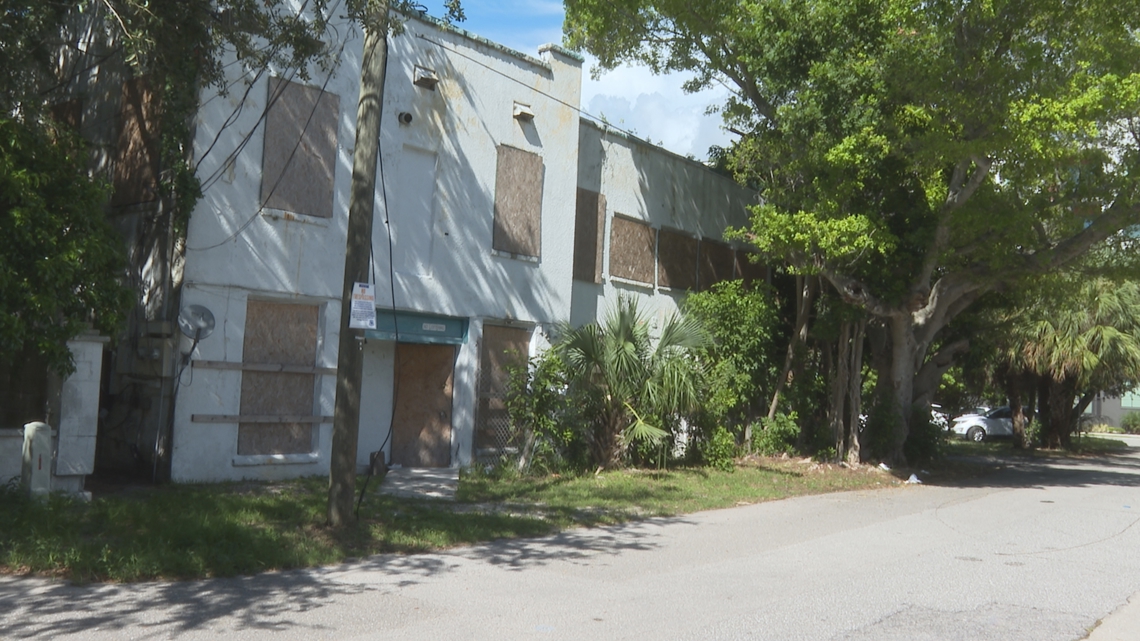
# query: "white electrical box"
36,472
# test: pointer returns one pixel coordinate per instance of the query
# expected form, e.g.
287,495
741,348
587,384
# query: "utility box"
36,471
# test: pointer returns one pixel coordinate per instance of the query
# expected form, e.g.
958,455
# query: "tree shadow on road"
1014,469
42,608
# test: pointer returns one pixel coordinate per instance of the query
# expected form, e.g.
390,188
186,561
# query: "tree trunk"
855,395
805,293
1058,431
1013,389
839,387
902,373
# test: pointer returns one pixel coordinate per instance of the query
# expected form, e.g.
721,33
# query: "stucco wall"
646,183
444,163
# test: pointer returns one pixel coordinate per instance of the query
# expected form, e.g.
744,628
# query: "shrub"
1131,423
924,441
776,436
719,450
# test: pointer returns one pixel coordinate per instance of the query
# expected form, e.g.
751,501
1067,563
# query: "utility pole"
350,358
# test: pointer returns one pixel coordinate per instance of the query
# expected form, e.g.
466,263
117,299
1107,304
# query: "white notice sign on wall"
363,312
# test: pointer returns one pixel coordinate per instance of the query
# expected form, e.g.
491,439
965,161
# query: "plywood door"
421,427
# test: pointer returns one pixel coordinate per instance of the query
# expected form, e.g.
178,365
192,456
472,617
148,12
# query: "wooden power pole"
350,357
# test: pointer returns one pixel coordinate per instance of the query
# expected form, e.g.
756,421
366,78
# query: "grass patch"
621,495
194,531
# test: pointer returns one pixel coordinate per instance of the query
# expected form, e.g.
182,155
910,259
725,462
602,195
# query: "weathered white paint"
438,173
645,182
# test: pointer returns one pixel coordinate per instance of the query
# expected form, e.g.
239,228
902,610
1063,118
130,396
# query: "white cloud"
655,108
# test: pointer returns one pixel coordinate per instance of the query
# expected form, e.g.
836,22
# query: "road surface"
1036,552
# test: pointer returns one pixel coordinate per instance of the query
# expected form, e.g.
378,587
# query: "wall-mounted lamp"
424,77
523,113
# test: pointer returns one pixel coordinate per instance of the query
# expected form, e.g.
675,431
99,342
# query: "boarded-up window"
589,225
68,113
299,159
278,334
502,348
717,263
518,202
748,270
137,149
676,260
632,246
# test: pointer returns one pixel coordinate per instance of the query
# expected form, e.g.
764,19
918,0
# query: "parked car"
979,427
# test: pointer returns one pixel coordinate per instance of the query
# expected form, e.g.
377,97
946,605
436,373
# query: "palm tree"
1082,343
623,383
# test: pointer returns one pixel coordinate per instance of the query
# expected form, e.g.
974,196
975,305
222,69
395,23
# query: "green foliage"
914,155
743,357
925,441
618,377
776,436
879,429
719,450
1130,422
60,261
542,415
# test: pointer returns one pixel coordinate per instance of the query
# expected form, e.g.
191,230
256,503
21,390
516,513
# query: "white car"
979,427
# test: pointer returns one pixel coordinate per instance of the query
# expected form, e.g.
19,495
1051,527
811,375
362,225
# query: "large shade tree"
913,154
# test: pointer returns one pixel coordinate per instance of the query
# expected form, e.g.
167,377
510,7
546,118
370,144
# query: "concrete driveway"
1036,552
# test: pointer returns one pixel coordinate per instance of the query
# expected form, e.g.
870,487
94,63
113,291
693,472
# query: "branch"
856,293
960,190
926,381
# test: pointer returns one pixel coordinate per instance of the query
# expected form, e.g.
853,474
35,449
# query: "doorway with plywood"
421,423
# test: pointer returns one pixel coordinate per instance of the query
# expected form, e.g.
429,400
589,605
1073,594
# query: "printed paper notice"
363,313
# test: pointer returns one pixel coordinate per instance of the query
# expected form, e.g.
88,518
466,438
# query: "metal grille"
501,348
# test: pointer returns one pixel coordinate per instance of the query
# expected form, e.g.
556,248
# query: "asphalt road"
1036,552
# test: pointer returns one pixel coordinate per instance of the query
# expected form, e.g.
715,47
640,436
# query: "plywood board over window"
278,334
589,227
749,271
137,148
518,202
299,159
676,260
717,263
632,247
502,349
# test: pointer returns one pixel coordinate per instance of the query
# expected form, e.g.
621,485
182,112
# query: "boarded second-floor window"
717,263
632,247
137,148
676,260
299,159
518,202
589,226
748,270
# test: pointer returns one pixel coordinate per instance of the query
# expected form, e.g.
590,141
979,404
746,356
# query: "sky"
651,107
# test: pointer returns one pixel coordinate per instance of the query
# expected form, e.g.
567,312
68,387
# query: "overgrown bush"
548,429
743,358
719,449
1131,422
776,436
924,440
